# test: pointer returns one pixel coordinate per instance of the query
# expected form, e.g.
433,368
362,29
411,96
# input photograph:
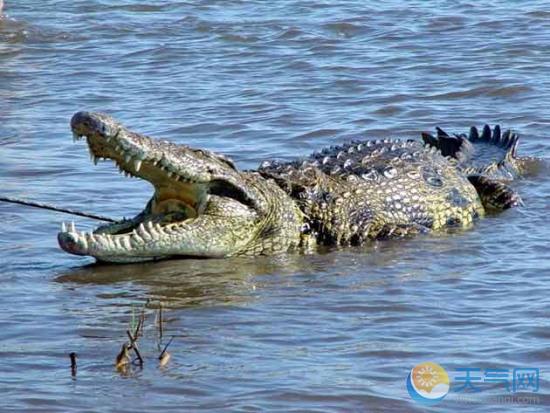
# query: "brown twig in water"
73,364
164,357
133,345
123,358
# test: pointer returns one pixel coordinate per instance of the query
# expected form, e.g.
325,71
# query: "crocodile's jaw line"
193,191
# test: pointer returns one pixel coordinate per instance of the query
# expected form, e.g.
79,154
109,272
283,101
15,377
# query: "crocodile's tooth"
116,241
170,174
136,239
128,158
92,156
137,165
63,227
72,227
126,243
158,227
102,240
82,240
142,232
111,242
151,229
92,237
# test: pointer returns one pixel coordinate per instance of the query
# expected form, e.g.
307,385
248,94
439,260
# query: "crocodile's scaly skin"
204,207
375,189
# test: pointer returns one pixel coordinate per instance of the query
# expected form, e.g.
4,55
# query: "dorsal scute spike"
441,132
514,146
505,141
486,134
429,138
474,134
496,134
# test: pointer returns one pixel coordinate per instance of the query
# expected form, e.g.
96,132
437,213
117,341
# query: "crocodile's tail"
490,153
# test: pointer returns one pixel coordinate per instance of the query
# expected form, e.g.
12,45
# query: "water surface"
334,331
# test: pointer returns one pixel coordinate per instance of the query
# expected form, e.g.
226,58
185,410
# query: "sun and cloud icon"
428,383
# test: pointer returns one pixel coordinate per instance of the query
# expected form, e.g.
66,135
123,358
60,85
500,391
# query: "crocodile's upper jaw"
194,190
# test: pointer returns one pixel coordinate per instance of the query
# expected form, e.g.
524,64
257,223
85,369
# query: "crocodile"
351,194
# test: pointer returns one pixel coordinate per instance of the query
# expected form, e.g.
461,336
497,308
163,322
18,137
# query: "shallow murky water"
334,331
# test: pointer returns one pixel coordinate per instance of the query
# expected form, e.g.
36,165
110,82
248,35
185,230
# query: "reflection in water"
189,282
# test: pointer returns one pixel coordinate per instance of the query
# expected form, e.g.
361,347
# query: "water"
334,331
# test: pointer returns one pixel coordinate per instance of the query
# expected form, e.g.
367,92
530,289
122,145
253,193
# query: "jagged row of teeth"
136,161
139,236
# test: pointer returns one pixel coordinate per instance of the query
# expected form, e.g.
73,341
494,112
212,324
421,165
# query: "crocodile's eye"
431,176
370,175
390,172
434,181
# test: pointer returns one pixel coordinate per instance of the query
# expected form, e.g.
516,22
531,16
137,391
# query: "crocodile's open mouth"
184,186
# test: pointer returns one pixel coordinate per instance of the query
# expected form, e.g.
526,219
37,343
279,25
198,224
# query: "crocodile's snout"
87,123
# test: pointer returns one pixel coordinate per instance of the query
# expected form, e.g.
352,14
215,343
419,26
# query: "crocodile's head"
202,205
